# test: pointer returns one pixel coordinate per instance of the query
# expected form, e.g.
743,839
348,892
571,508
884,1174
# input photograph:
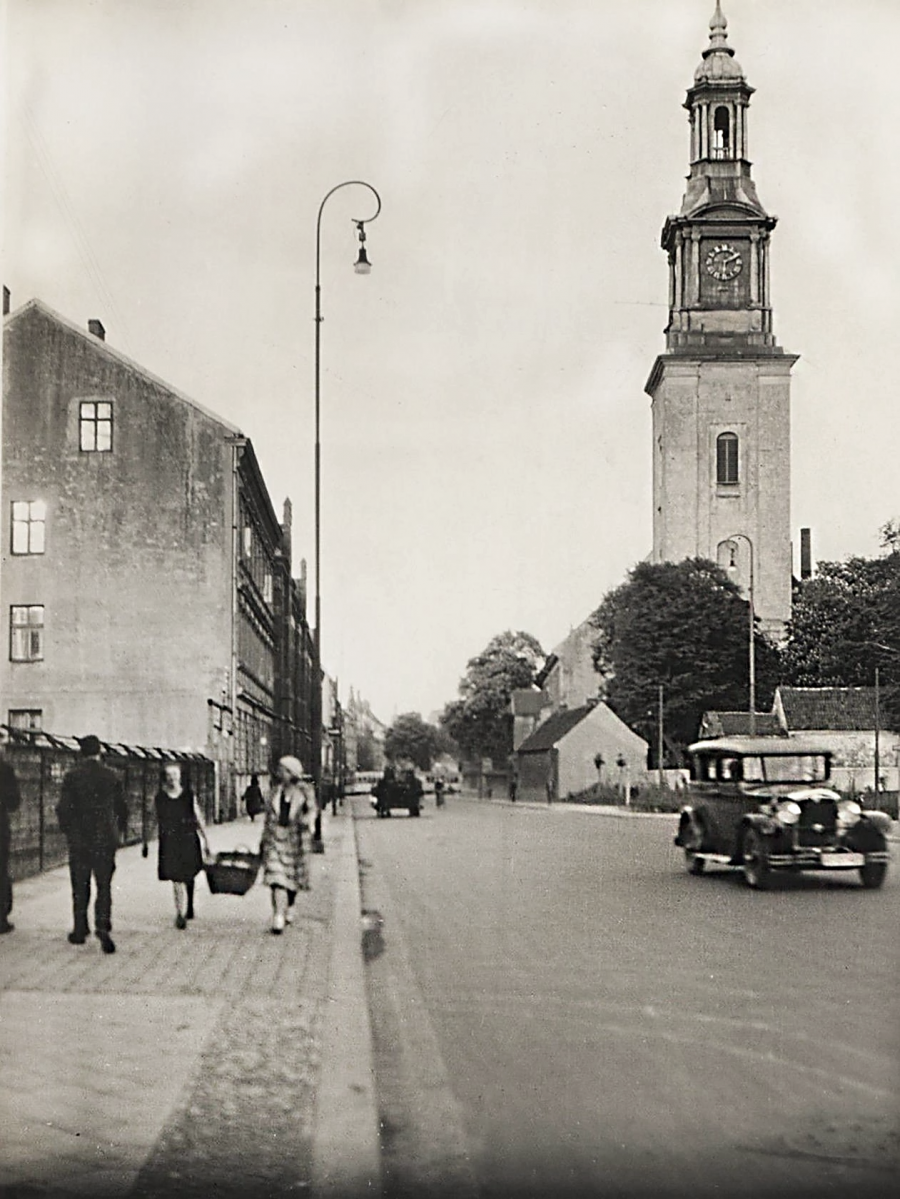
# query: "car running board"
716,859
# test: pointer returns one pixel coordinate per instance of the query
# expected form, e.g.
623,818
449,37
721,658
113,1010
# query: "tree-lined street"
559,1008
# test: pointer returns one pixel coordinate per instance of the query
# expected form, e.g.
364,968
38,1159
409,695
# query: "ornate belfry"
721,391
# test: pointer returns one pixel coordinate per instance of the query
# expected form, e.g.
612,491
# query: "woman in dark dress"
181,829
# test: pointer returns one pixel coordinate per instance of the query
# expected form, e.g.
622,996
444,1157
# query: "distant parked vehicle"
763,804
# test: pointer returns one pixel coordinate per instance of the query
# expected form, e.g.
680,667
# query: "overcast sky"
486,436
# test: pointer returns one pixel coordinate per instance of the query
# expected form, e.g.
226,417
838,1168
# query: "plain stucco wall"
135,579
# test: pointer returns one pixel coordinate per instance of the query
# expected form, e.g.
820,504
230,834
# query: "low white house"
560,758
844,720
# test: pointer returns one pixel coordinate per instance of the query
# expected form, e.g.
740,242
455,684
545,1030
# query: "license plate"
843,859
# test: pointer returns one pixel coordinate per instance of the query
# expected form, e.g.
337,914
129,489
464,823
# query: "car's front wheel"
755,861
873,874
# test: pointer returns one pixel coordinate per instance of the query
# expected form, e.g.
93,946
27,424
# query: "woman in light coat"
285,868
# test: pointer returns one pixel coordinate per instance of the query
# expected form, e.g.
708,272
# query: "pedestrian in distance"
253,798
92,816
181,831
439,792
385,791
285,868
10,799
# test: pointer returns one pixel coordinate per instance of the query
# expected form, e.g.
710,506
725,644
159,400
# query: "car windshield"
785,768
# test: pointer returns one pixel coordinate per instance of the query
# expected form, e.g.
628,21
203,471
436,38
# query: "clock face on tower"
723,261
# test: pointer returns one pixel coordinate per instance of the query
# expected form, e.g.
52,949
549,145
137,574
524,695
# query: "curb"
587,809
346,1152
620,813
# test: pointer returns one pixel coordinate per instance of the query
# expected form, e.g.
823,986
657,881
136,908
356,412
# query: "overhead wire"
70,217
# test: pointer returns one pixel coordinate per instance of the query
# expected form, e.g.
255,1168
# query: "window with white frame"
29,526
31,719
95,425
26,633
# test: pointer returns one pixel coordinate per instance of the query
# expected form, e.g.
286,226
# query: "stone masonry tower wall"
721,391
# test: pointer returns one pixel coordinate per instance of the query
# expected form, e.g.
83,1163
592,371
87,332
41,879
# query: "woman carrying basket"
282,849
181,829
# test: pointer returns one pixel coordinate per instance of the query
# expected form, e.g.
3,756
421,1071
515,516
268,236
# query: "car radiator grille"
818,823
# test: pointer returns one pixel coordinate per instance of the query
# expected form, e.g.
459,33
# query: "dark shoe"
180,921
6,927
77,938
189,915
107,944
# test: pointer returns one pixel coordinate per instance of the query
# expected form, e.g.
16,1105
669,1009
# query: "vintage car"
398,789
763,804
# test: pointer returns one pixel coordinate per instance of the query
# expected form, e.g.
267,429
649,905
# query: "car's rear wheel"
873,874
755,860
692,842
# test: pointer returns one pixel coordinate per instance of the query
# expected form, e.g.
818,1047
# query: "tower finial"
718,29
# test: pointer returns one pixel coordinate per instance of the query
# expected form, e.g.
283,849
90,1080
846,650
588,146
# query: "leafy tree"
412,737
845,622
480,721
684,625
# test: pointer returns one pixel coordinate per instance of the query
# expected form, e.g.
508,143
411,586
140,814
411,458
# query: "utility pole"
877,731
659,739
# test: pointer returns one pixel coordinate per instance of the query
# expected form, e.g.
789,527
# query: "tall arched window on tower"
721,133
727,458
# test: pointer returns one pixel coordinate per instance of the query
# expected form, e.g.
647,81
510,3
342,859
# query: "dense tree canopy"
846,622
480,721
684,625
412,737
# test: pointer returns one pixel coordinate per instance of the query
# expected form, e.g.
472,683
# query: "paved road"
558,1008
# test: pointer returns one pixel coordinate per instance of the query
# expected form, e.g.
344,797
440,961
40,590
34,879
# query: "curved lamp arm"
360,224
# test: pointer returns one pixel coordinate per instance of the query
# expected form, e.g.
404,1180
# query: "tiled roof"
554,728
737,724
843,709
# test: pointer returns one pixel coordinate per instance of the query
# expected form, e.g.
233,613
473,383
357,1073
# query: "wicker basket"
233,872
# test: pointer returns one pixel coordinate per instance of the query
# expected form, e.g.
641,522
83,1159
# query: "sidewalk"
215,1060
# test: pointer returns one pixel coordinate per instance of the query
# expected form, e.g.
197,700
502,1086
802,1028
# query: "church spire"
718,32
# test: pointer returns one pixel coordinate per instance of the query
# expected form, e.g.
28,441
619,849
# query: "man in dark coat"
10,798
93,816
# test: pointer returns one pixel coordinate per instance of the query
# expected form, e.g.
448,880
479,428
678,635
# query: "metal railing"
40,760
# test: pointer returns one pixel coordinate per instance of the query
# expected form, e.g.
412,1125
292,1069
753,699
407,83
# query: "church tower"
721,391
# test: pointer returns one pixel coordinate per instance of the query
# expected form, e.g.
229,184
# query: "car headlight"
849,811
788,812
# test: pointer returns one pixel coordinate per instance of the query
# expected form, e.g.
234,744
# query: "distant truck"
398,789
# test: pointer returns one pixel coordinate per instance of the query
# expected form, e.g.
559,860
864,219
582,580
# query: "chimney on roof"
96,327
805,553
6,300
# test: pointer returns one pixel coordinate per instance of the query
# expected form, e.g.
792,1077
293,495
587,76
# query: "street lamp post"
752,629
362,266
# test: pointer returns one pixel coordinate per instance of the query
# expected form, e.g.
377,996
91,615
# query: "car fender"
761,821
878,820
688,815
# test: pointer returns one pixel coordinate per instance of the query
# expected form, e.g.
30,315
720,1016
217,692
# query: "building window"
248,541
727,458
25,718
26,633
95,425
268,593
29,525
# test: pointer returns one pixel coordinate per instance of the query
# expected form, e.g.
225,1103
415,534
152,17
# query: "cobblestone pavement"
185,1064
